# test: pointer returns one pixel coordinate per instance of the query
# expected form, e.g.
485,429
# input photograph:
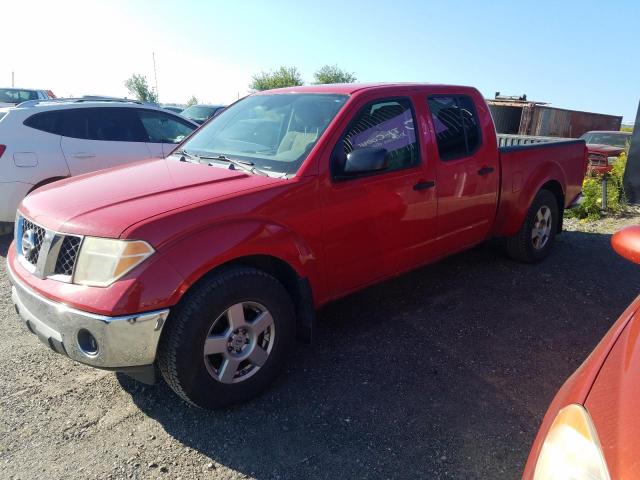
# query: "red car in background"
604,149
592,428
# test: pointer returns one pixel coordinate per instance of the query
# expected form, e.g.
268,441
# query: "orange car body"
607,385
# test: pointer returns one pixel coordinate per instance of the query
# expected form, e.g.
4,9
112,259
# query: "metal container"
521,117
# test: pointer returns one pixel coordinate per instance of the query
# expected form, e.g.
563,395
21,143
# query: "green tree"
192,101
282,77
139,88
333,74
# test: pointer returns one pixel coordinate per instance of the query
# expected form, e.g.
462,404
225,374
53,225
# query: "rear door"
467,171
164,131
102,137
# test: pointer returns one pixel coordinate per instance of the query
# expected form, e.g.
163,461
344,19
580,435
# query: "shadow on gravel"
442,373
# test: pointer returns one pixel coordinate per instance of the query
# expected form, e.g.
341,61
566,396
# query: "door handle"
82,155
485,171
423,185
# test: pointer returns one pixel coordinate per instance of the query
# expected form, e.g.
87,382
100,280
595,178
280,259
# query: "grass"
591,207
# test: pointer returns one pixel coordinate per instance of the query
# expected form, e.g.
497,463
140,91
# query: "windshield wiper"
242,164
184,156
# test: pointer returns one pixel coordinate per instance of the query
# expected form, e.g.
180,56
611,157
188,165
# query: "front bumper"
577,201
123,343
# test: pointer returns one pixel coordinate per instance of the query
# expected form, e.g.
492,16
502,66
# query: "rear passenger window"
108,123
46,122
456,125
115,125
386,124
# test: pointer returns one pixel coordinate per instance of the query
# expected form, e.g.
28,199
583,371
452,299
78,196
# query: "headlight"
104,260
571,449
612,160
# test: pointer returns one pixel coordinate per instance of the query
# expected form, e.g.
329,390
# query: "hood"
106,202
614,403
604,149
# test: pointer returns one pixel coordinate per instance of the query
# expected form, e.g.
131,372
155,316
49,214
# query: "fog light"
87,343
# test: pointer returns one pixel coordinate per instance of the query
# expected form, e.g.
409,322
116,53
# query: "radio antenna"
155,76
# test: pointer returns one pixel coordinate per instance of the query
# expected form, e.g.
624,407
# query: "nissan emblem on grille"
28,243
47,253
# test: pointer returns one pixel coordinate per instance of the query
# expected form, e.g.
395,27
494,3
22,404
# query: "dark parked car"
13,96
201,113
173,108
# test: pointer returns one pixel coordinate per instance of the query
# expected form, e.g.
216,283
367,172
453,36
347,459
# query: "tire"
534,240
245,318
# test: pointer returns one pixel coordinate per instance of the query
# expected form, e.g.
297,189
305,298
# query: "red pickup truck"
208,264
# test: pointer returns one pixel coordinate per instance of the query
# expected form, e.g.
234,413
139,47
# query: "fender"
198,253
515,200
577,387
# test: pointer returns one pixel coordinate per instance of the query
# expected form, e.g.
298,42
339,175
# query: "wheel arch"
515,202
46,182
297,286
555,188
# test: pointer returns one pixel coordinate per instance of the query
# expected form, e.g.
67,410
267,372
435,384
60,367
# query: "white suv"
44,141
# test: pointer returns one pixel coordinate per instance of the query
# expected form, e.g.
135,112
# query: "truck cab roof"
351,88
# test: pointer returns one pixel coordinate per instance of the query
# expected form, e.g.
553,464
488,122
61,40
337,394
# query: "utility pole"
13,78
631,179
155,75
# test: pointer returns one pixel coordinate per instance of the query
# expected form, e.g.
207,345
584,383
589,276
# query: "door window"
107,124
72,123
163,128
114,125
456,125
387,124
49,122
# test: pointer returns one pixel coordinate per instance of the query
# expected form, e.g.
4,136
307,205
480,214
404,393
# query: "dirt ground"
442,373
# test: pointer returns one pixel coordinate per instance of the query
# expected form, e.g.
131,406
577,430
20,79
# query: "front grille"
46,253
597,160
34,234
67,255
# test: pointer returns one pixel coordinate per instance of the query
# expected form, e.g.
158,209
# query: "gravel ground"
442,373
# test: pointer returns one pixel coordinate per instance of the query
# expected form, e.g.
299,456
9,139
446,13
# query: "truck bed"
508,140
530,163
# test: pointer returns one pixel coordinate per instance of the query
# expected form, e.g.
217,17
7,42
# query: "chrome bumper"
121,342
577,201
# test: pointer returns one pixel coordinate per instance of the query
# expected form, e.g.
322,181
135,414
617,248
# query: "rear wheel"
534,240
228,339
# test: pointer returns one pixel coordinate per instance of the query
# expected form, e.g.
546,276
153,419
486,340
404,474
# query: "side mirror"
365,160
626,243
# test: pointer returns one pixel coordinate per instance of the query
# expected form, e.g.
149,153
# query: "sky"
572,54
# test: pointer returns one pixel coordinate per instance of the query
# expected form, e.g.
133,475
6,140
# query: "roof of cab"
351,88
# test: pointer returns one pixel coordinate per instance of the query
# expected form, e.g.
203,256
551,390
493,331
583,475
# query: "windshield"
12,95
608,138
197,112
274,132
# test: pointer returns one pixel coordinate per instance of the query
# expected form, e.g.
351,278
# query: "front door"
380,223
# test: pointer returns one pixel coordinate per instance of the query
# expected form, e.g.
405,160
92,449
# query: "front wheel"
534,240
228,338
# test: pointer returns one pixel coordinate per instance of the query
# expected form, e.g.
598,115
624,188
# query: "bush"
591,207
